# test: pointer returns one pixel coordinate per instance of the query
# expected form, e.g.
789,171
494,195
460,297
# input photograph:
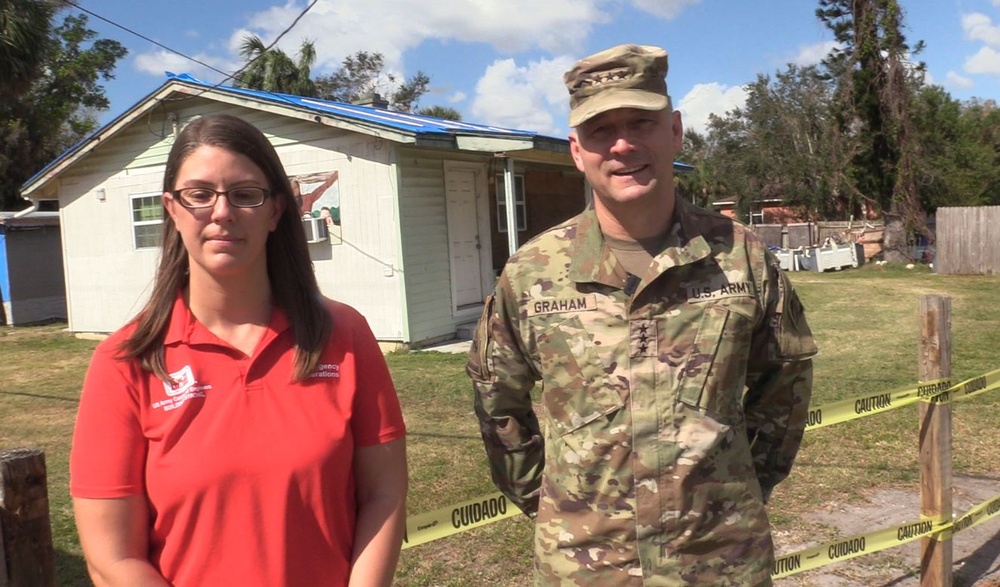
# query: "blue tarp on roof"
400,121
403,121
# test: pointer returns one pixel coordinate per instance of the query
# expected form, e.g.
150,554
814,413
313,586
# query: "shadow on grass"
436,435
40,396
966,571
71,570
982,561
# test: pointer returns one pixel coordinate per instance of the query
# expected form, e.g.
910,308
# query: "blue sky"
501,61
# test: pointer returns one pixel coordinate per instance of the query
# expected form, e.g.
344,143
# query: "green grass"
865,321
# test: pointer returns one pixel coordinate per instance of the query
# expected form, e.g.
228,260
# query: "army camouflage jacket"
673,404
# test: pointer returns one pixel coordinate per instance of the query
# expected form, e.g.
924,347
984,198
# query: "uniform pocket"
578,388
714,373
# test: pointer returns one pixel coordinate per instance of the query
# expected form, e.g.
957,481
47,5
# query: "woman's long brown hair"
289,268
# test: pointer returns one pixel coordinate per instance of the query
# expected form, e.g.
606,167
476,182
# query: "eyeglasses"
247,197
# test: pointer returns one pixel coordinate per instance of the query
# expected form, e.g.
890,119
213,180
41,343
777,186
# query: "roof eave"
38,181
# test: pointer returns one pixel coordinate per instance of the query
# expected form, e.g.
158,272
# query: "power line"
143,37
229,76
274,42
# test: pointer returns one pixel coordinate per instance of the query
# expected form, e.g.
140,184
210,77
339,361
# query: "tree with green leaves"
444,112
876,85
362,74
58,108
961,148
700,185
24,34
272,70
779,145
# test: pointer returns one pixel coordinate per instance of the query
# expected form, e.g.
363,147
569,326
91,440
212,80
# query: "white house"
421,233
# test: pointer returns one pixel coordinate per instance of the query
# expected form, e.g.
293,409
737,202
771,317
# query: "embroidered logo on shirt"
558,306
326,370
183,388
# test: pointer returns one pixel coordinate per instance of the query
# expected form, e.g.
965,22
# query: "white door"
463,238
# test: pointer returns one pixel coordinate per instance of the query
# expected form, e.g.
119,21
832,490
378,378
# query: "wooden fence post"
24,520
935,439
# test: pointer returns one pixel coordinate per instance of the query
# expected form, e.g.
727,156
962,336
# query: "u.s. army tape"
423,528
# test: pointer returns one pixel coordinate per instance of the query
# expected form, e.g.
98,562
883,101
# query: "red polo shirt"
249,475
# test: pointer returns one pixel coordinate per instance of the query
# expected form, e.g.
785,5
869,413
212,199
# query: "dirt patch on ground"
975,551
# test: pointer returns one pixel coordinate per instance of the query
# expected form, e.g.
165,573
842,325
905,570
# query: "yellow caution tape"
968,388
869,405
444,522
847,548
935,391
423,528
987,510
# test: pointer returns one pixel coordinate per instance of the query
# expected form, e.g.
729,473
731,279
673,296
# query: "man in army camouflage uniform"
673,353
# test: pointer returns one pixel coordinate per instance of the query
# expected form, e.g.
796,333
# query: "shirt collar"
593,260
184,328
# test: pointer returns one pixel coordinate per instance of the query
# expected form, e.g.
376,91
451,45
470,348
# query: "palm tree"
272,70
445,112
24,36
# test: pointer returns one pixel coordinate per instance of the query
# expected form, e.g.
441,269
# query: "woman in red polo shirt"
242,430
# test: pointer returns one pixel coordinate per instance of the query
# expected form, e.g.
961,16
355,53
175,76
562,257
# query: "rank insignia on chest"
584,303
642,338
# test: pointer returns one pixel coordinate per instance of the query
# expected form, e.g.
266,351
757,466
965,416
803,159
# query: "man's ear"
574,150
677,126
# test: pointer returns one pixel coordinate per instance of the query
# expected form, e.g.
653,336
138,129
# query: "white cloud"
706,99
524,97
979,27
508,93
956,80
665,9
391,27
813,54
158,62
985,61
341,27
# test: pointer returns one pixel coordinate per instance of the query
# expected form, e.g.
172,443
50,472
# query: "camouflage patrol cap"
626,76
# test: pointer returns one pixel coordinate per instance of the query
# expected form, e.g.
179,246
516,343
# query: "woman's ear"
279,209
169,203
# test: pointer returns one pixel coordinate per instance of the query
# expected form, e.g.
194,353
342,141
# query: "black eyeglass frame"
179,195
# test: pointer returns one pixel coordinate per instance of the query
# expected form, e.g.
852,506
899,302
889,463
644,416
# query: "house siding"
109,280
424,236
361,267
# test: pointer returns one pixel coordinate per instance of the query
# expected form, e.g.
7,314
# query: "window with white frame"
520,208
147,220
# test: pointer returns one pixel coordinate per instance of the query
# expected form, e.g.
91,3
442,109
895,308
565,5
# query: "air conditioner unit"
315,229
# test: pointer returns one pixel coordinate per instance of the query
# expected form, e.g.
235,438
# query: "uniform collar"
594,262
184,328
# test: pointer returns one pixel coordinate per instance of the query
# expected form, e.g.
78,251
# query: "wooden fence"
27,558
968,241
